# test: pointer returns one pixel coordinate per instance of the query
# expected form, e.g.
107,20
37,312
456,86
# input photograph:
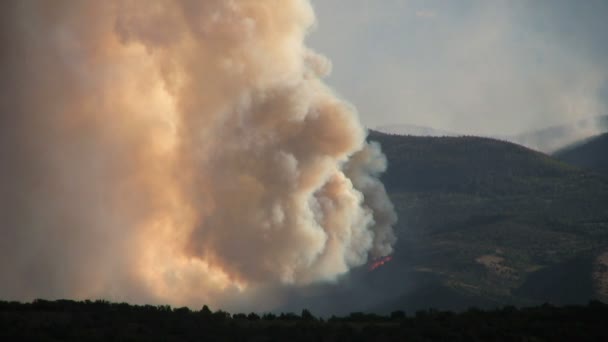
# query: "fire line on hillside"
379,262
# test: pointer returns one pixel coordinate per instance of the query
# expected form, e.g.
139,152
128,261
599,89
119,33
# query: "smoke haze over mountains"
490,68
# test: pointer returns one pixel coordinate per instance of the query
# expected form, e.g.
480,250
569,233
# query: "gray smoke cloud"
185,152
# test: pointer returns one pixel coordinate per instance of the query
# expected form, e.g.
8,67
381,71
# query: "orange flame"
379,262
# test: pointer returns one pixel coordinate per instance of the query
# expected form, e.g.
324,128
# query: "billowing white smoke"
177,151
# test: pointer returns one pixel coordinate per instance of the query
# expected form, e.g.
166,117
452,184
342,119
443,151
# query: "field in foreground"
66,320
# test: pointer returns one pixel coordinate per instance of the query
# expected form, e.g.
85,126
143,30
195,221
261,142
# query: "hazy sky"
493,67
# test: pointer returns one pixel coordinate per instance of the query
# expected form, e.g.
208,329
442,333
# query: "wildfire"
379,262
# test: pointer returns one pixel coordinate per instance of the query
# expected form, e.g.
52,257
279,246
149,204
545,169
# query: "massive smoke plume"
177,151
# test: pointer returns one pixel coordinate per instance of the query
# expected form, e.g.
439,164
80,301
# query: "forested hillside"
486,222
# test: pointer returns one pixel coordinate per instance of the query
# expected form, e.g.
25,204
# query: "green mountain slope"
590,154
486,222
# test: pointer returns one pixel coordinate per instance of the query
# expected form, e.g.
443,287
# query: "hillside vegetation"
486,222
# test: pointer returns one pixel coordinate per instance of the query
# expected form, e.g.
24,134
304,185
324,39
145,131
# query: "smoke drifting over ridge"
177,151
489,68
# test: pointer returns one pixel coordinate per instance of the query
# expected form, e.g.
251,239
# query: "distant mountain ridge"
591,153
405,129
547,140
553,138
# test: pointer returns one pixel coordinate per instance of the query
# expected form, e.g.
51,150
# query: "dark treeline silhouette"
66,320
